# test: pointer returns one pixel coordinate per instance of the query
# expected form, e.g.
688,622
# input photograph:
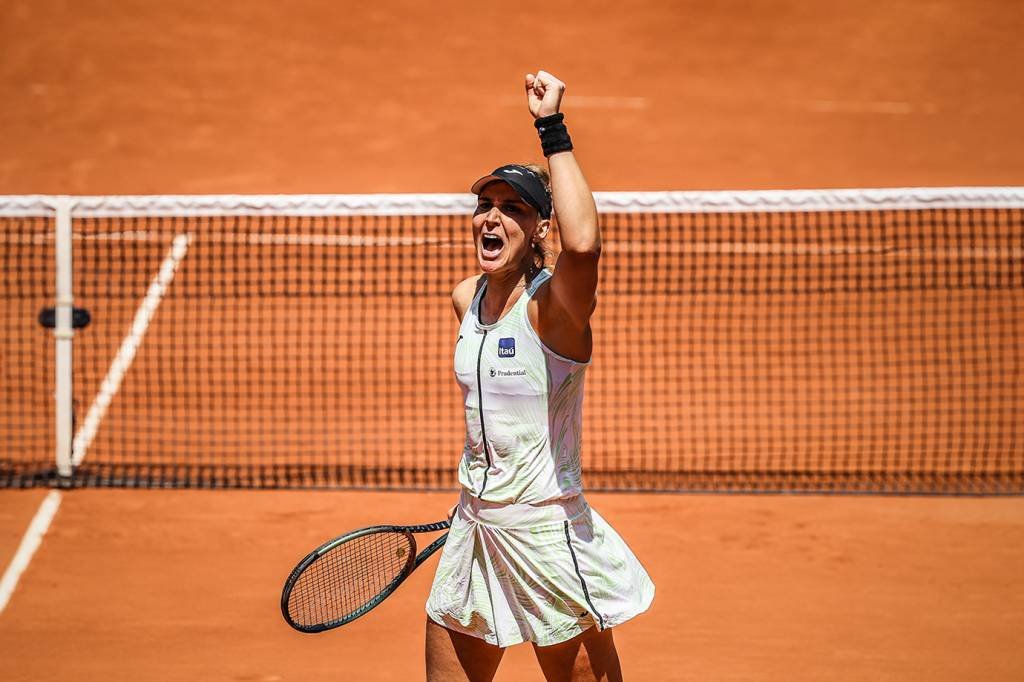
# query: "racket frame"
412,562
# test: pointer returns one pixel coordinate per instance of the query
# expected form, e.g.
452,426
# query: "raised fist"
543,93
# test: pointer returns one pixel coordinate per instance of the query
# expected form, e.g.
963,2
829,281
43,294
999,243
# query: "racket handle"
429,527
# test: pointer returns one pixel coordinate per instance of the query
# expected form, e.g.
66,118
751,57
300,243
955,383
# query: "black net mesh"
27,282
851,350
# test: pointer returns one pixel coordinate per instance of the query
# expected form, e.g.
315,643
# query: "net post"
63,333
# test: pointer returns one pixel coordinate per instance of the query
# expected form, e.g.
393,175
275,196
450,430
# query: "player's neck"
503,290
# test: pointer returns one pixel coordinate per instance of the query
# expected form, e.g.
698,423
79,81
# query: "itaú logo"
507,348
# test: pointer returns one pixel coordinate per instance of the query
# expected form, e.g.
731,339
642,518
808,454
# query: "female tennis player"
527,559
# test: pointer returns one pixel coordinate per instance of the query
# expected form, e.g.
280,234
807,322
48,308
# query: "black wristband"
554,136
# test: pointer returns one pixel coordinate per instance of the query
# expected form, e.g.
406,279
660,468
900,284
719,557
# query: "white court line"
29,544
828,106
130,345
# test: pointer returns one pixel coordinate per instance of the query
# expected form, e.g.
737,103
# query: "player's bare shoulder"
462,295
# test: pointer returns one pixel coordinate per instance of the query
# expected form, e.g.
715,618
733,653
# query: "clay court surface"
181,96
260,97
184,586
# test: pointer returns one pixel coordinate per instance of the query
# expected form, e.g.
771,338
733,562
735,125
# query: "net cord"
779,201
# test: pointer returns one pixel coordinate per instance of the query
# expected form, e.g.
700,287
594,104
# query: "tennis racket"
344,578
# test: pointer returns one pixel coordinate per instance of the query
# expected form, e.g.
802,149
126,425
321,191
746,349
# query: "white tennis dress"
526,558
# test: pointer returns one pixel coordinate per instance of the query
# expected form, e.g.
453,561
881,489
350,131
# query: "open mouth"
491,245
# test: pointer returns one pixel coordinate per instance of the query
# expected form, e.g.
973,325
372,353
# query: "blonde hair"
544,250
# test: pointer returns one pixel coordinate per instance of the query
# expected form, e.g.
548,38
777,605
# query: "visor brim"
479,185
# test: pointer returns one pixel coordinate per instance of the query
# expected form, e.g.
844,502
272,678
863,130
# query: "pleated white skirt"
535,573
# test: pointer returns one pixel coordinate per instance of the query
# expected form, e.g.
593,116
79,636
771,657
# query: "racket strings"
348,576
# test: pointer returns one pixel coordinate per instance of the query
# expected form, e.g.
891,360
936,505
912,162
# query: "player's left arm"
564,315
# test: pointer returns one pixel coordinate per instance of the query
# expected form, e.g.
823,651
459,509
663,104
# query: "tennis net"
845,340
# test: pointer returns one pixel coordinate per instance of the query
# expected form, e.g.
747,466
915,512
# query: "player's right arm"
462,296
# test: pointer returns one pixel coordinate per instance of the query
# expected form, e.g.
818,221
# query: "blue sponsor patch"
506,348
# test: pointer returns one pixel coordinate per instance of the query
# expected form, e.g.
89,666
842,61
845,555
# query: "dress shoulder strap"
542,276
474,306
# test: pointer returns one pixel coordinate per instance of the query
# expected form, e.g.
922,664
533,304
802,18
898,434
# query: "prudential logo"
507,348
511,372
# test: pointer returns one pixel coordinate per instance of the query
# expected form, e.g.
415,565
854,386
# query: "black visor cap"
527,184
